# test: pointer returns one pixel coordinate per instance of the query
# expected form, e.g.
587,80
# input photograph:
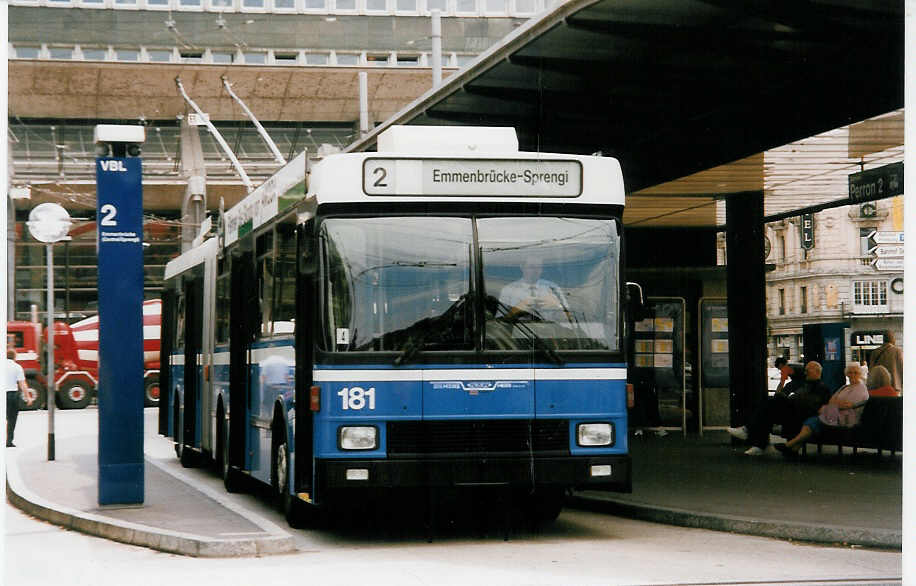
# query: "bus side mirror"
635,302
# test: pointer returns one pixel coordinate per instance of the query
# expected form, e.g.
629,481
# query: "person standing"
14,382
890,357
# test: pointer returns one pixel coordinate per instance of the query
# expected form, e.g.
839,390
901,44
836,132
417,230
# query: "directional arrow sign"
887,251
888,264
887,237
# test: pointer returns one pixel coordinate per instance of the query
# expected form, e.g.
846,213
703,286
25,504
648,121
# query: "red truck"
76,358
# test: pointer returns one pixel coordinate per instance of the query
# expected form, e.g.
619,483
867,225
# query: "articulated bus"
443,313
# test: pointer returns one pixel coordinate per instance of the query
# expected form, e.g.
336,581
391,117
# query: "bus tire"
189,458
298,514
545,504
151,392
37,392
232,478
74,394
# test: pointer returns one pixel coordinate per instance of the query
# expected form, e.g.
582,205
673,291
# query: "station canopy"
698,99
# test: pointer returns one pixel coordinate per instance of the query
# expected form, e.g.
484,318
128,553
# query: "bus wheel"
545,504
297,513
189,458
232,480
37,393
151,392
74,395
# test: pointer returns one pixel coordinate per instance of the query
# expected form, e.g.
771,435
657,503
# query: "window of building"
375,5
255,57
285,58
27,52
803,308
782,302
189,3
408,60
496,6
466,5
92,3
222,57
462,60
159,55
315,4
524,6
316,58
870,296
127,54
221,3
407,5
440,5
192,56
347,59
157,3
60,52
285,4
345,4
126,2
377,59
252,3
781,247
865,243
94,54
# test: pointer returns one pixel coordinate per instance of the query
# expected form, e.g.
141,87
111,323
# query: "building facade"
845,275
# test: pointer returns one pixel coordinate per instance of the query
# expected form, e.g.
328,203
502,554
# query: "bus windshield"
410,284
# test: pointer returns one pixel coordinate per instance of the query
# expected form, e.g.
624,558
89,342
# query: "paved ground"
698,482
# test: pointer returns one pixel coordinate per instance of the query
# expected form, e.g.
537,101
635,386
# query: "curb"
156,538
825,534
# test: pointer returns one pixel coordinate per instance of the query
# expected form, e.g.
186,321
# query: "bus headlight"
595,434
361,437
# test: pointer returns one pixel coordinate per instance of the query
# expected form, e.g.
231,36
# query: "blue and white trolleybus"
444,312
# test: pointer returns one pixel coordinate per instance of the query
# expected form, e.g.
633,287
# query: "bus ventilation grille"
424,438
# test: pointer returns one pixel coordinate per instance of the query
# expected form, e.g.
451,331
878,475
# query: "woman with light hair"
842,410
879,383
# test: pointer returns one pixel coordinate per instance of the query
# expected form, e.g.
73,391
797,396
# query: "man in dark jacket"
797,401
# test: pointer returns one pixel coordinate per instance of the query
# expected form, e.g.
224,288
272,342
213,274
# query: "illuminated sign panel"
472,177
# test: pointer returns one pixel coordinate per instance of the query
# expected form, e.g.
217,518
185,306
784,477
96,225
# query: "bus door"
165,352
192,350
242,315
306,301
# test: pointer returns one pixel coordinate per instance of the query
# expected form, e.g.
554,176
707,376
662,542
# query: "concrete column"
194,204
747,343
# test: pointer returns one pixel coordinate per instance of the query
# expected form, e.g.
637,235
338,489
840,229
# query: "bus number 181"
356,398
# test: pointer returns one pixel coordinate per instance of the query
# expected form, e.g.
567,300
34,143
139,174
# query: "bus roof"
435,164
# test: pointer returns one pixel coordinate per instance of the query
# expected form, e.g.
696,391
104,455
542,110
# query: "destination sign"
471,177
887,237
887,250
886,181
889,264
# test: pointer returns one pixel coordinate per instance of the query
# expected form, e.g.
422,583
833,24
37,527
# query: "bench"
880,427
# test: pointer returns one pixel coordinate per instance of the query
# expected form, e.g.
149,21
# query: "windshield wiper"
429,327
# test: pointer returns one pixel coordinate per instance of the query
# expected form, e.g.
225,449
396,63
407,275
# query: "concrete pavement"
697,482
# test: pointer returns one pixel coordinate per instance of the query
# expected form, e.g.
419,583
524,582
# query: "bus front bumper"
612,473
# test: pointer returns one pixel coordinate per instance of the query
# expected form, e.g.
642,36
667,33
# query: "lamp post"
50,223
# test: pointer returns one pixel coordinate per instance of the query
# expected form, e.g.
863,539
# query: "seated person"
789,408
879,383
533,295
842,410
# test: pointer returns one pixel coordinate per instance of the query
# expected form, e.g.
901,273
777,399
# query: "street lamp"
50,223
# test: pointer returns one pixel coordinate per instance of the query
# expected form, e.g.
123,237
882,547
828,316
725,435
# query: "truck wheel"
74,395
37,392
232,478
151,392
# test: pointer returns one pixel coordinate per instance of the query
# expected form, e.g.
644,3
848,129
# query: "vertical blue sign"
120,244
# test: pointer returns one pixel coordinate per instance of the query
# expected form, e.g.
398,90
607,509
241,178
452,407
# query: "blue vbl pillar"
120,392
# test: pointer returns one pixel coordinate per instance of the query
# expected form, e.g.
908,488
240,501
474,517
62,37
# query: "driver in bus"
533,295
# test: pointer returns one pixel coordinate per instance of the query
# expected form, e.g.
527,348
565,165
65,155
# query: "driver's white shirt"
515,293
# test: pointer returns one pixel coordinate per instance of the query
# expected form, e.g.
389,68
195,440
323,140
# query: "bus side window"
265,268
284,308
